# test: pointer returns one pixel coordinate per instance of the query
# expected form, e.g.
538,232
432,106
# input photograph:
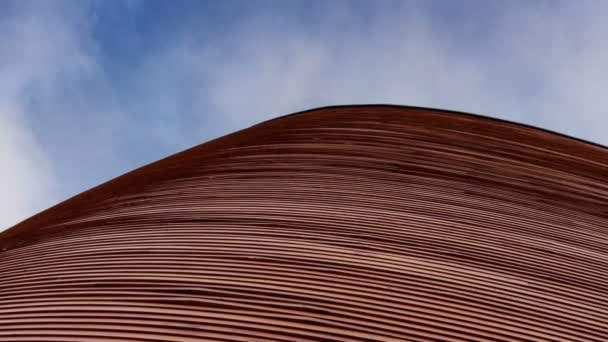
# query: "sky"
92,89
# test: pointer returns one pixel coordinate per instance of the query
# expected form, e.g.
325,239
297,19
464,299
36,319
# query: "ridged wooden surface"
372,223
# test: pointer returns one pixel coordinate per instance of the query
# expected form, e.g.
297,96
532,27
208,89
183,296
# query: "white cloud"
540,63
25,178
39,49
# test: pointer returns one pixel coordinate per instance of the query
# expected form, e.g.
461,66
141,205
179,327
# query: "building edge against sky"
340,223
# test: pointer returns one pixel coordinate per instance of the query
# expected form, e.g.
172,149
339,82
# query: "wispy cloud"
40,50
66,124
543,64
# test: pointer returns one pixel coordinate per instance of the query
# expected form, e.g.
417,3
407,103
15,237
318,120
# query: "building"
351,223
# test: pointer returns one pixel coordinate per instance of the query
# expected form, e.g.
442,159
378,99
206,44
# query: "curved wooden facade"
361,223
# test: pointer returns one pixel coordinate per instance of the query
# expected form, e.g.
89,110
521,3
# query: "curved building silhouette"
353,223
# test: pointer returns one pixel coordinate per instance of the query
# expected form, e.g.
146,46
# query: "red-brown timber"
350,223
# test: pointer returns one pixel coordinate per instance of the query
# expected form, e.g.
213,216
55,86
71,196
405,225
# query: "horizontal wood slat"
354,223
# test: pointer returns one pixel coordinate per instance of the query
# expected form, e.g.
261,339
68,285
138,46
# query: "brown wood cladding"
362,223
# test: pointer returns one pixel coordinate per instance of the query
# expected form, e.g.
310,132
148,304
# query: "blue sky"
92,89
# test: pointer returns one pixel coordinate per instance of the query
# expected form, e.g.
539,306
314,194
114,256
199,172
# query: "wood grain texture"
360,223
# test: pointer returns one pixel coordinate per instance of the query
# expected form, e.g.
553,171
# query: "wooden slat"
361,223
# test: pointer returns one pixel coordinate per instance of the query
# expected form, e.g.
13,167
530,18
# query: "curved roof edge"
441,111
120,180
